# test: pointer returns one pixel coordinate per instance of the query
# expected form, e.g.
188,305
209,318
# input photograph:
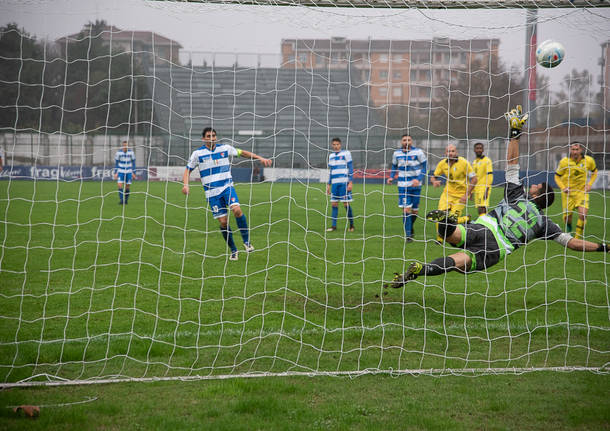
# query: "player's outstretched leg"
334,215
350,217
242,224
438,266
408,225
399,280
227,234
413,218
447,222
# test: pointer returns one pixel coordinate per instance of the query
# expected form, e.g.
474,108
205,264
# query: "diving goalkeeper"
517,220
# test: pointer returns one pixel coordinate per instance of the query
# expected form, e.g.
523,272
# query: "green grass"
533,401
90,289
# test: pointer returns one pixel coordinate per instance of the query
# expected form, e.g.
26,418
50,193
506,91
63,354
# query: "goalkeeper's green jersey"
519,219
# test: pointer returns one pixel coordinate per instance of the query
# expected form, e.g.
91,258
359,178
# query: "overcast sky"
253,29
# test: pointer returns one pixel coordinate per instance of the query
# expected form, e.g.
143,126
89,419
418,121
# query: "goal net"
101,282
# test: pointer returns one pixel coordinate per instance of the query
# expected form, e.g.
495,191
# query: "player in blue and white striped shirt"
124,171
214,166
410,163
339,185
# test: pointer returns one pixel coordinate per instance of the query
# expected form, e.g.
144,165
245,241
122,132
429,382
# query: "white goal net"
104,282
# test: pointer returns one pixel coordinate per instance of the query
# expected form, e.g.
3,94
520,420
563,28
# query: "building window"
397,58
383,74
396,74
335,58
397,91
413,75
383,58
303,58
383,91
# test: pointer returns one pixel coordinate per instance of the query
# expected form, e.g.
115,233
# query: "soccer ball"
550,53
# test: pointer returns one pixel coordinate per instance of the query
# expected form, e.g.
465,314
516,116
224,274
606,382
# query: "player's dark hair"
406,134
335,140
206,130
478,143
545,197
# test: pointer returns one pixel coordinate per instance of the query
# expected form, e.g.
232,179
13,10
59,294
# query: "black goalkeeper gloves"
603,247
516,119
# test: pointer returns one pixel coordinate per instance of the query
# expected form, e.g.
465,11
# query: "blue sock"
413,218
121,195
406,219
335,213
350,215
242,224
126,195
227,234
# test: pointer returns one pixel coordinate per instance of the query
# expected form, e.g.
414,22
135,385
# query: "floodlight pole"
531,42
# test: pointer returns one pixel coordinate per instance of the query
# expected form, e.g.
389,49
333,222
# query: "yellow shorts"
481,197
451,203
571,201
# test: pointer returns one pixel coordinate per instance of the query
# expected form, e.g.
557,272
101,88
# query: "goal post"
134,280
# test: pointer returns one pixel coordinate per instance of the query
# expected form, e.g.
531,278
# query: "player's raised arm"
249,155
516,120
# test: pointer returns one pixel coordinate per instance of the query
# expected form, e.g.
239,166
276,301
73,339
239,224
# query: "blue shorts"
339,193
408,197
124,178
221,202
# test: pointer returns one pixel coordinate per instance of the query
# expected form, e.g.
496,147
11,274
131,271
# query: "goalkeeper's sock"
126,195
439,266
350,215
242,224
121,195
227,234
580,227
406,219
335,213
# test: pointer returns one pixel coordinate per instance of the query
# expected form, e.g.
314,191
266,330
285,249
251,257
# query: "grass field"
91,289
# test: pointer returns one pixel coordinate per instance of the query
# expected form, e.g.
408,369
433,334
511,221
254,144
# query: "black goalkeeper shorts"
481,246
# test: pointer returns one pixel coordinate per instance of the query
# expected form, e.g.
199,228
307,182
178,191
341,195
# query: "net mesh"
94,291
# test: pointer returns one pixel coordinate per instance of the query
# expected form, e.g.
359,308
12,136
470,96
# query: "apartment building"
396,71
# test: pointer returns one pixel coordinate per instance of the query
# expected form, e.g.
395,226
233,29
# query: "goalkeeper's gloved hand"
604,247
516,119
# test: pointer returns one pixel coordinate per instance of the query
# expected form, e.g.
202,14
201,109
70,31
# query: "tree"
472,103
21,79
575,100
99,83
83,86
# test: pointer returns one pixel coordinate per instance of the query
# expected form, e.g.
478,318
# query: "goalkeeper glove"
603,247
516,120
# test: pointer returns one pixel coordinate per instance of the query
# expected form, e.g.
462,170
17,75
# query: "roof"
372,45
116,34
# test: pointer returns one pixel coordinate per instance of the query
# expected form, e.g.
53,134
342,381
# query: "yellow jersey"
457,176
484,170
574,174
